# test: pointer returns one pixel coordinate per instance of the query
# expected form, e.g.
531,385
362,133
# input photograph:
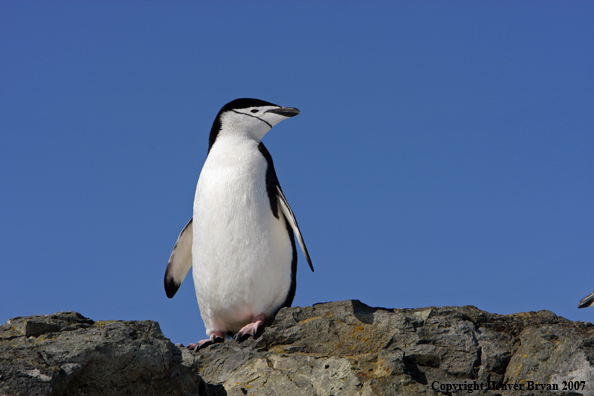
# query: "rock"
66,353
337,348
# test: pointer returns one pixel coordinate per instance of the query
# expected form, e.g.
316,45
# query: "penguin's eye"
255,110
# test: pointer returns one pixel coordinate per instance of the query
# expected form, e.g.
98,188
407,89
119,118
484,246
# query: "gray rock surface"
68,354
337,348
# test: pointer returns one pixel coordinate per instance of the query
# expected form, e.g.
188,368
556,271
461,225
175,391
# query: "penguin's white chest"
241,252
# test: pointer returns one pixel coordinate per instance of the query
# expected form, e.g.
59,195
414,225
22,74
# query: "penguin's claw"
251,328
214,339
200,344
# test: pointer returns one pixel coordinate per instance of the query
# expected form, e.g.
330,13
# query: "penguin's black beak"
285,111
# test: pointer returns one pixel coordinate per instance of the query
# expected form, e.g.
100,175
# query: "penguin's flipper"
180,261
293,222
586,301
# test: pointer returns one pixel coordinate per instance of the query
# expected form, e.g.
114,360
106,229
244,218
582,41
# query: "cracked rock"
66,353
337,348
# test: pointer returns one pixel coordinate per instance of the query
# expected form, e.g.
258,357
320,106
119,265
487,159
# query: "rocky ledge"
337,348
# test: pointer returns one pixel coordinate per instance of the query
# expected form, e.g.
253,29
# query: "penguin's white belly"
241,252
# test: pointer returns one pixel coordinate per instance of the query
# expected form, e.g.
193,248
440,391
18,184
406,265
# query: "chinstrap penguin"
240,241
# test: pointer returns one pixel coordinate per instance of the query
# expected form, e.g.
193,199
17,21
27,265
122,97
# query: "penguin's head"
248,117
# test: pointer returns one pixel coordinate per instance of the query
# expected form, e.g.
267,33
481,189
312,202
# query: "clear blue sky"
444,154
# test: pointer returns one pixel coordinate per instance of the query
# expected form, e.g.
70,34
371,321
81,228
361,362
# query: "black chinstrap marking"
231,106
264,121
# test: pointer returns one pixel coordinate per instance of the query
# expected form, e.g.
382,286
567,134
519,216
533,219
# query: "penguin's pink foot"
215,337
251,328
